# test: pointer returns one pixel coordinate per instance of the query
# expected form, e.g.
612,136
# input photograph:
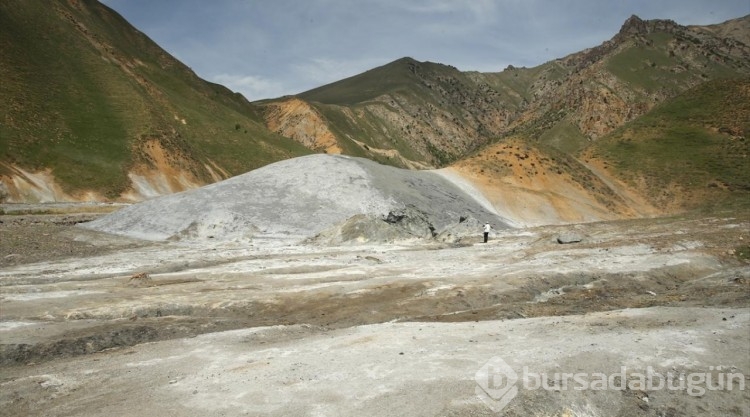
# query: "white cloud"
251,86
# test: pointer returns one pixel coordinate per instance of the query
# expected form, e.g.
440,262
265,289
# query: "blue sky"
269,48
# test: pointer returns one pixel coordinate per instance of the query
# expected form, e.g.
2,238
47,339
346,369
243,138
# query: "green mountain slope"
690,150
646,63
89,98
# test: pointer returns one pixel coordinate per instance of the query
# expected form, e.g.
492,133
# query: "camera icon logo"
496,383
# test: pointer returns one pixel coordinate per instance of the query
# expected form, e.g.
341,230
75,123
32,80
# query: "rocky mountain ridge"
437,114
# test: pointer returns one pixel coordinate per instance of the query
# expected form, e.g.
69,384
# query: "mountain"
431,114
687,151
491,126
406,113
92,108
651,121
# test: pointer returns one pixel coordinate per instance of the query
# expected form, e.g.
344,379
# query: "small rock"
569,237
51,383
373,259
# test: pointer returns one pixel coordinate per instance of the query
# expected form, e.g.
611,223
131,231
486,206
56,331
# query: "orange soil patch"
532,188
298,120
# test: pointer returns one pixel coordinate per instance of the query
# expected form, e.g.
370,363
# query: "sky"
269,48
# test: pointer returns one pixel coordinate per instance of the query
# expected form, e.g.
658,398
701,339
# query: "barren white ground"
400,354
240,313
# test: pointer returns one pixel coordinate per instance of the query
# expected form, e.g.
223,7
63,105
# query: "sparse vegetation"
687,143
564,136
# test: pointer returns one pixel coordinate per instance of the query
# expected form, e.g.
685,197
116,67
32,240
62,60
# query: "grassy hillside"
689,150
653,64
83,91
426,112
369,85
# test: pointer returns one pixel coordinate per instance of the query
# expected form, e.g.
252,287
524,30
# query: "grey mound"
318,198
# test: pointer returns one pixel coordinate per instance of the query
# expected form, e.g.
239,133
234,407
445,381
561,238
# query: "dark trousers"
486,235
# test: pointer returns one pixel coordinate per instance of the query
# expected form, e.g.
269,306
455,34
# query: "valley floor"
516,326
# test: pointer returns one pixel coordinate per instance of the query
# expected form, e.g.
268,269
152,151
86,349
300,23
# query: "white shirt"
486,228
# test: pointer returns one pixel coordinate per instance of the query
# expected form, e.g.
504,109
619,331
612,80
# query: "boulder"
569,237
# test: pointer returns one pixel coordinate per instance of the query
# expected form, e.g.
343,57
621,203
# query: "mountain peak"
633,25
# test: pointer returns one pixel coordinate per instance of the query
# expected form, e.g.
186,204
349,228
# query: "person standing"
486,232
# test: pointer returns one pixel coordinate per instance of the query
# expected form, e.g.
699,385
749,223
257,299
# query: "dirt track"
82,305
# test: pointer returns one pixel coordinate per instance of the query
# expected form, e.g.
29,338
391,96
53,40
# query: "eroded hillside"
534,186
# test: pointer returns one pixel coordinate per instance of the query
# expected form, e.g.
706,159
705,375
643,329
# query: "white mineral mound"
297,199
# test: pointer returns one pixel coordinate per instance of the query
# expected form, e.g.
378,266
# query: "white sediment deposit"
299,198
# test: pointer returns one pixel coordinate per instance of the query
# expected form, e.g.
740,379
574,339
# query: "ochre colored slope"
534,187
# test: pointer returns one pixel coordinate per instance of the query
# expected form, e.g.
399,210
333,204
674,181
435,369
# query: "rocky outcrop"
164,170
